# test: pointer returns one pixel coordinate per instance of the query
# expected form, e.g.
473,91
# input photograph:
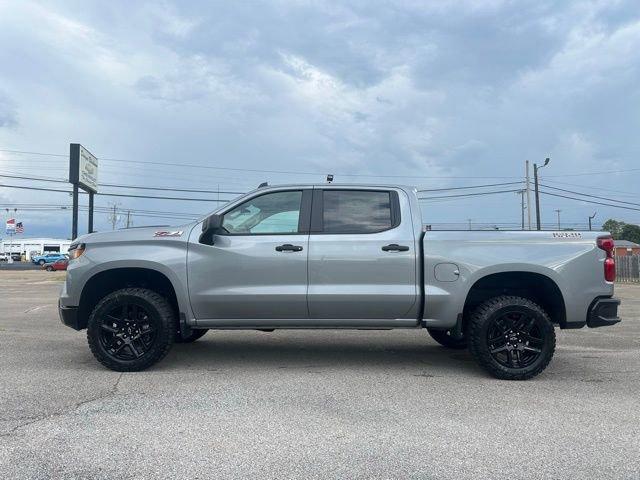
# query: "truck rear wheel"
511,337
448,339
131,329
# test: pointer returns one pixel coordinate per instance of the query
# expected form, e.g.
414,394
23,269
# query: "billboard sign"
83,168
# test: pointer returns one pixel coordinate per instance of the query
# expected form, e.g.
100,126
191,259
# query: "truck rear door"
361,255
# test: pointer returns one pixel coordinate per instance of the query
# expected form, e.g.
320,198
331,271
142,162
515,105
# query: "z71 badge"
176,233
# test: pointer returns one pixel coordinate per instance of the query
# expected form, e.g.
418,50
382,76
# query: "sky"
222,96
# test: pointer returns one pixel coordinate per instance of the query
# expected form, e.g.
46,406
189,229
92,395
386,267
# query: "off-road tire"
159,311
41,262
484,317
446,339
49,269
192,337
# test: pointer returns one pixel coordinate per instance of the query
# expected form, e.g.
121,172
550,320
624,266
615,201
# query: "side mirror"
211,225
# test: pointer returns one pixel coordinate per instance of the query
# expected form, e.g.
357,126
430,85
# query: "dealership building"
33,246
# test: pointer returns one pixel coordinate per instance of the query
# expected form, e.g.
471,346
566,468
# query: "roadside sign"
83,168
11,226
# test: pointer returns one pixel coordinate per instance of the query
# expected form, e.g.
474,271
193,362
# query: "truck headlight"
76,250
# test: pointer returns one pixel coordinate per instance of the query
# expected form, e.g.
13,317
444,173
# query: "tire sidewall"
147,300
482,322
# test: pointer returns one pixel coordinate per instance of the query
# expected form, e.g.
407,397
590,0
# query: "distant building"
33,246
625,247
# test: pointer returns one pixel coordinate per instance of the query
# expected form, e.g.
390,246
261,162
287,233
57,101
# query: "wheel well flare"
103,283
534,286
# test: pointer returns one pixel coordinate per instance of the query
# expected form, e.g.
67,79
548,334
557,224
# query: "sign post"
83,173
11,231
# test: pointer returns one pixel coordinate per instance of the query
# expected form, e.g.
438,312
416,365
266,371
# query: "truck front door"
257,266
362,256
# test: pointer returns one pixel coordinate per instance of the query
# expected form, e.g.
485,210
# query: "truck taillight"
606,244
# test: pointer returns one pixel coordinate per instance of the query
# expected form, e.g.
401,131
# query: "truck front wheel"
448,339
511,337
131,329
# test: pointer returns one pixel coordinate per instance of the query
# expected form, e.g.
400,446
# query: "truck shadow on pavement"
316,354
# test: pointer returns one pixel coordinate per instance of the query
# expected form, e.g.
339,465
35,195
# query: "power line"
468,194
619,192
590,201
24,187
164,189
41,179
114,185
588,195
254,170
468,187
607,172
188,190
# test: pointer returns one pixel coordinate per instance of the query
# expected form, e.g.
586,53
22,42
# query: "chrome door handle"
394,247
287,247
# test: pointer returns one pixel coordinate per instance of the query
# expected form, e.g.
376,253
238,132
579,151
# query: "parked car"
4,257
48,258
57,265
337,256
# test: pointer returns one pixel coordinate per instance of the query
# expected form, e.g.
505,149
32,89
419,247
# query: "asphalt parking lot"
319,404
18,266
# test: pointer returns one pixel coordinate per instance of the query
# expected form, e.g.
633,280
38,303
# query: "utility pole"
528,188
128,218
591,218
469,220
113,217
522,194
558,212
535,180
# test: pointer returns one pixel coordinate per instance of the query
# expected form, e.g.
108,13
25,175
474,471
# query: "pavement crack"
111,392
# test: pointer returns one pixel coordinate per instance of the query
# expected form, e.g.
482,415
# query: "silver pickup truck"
337,256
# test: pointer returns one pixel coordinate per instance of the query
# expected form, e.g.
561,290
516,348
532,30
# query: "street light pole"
535,180
591,218
558,212
528,188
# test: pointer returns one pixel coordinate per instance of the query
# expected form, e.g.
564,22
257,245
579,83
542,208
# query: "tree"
613,226
630,232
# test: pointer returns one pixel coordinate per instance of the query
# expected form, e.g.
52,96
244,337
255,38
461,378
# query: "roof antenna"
263,184
329,178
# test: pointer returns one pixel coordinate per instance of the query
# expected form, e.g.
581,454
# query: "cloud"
8,113
441,89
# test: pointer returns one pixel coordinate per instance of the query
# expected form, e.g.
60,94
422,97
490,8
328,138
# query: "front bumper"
603,312
69,316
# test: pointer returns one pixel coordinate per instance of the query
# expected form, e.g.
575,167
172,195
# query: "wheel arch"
535,286
109,280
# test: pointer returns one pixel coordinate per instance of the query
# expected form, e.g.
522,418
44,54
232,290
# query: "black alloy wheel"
127,331
516,338
511,337
131,329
